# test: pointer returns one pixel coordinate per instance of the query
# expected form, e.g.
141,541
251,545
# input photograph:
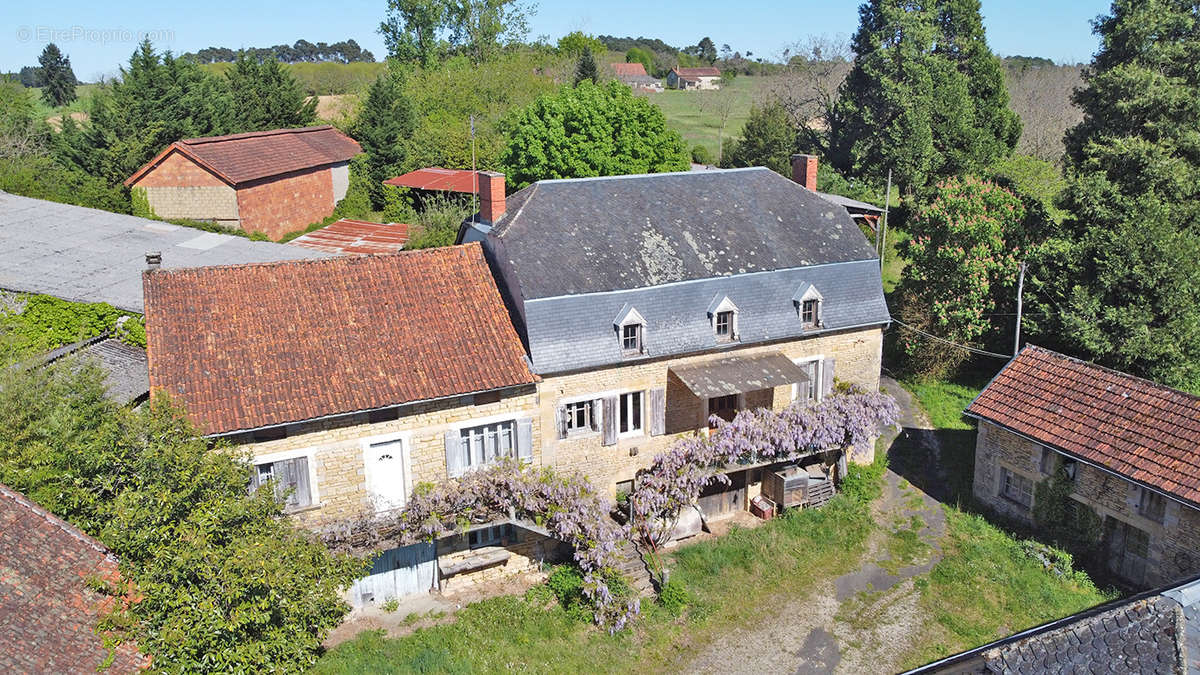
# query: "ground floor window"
1016,488
289,478
488,443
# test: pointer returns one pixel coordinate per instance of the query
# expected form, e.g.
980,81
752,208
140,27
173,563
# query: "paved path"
862,621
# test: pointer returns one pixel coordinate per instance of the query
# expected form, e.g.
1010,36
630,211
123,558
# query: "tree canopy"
265,96
383,128
1119,283
585,68
590,130
422,30
768,139
56,77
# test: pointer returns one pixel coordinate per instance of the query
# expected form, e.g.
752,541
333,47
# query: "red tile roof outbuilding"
251,346
48,614
629,69
1136,428
240,158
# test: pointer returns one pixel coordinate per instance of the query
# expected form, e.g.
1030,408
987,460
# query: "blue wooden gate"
397,573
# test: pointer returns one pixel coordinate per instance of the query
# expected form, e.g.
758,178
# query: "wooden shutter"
610,417
253,478
827,377
594,418
284,475
525,439
561,421
803,390
303,494
454,454
658,411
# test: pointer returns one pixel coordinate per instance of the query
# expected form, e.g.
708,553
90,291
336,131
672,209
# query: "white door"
387,473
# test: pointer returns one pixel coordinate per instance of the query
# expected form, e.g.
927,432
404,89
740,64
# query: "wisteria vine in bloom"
676,477
565,505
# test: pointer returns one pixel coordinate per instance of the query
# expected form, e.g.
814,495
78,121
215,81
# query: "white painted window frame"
283,455
802,360
641,430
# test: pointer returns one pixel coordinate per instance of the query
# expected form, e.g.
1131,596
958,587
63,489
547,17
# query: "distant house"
355,237
48,610
1153,632
272,182
1130,447
634,75
694,78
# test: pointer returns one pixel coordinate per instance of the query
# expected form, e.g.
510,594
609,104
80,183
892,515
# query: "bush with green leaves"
226,583
39,323
673,597
590,130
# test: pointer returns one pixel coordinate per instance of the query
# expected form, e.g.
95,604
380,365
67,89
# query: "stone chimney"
491,196
153,260
804,171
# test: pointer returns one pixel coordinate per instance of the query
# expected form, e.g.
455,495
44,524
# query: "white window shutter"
454,454
610,420
525,439
827,376
560,419
658,411
597,406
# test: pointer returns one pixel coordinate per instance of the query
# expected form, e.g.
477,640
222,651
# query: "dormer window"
809,306
631,331
724,317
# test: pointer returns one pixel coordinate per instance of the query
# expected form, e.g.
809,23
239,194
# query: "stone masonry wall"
857,360
180,188
283,204
995,446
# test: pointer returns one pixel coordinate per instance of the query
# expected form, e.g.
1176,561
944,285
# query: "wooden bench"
480,559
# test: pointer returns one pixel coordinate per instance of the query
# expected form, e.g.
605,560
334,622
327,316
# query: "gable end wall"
180,188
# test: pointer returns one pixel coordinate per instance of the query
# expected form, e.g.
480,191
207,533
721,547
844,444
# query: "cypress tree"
1123,278
383,128
57,78
265,96
586,69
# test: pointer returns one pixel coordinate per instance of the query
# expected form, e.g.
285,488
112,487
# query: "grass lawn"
893,264
83,97
695,114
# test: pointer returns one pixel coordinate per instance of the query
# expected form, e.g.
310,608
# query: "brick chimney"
491,196
804,171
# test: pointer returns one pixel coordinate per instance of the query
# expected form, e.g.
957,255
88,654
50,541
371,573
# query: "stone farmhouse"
1130,447
274,182
694,78
634,75
649,303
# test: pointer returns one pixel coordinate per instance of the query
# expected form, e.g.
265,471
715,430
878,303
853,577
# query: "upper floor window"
630,413
809,305
631,338
578,417
724,323
808,312
724,317
631,331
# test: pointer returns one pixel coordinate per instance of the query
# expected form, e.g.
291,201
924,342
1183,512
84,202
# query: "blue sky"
98,36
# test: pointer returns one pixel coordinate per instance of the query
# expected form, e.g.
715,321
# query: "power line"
1006,357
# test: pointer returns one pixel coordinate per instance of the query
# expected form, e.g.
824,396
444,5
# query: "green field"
83,93
696,115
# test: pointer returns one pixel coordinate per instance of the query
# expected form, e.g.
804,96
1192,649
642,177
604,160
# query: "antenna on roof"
474,174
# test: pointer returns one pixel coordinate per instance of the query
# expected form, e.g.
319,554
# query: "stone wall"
282,204
857,360
995,447
179,188
529,552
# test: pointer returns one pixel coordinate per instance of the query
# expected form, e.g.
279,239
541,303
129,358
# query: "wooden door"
397,573
718,499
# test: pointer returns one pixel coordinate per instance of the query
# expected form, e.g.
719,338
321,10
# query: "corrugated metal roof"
437,178
88,255
356,237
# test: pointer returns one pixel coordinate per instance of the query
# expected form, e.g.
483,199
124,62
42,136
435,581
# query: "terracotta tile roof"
1141,430
241,158
249,346
356,237
629,69
48,615
437,178
692,73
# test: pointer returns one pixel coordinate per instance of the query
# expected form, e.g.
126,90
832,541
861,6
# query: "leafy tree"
707,51
57,78
642,56
226,584
585,68
590,130
768,139
30,76
411,28
575,43
265,96
964,250
1120,282
383,128
925,97
481,27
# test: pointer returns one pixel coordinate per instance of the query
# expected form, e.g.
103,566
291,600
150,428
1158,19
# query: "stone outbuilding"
274,182
1129,447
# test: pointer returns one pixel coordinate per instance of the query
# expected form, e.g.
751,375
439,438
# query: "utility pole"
1020,291
474,173
881,235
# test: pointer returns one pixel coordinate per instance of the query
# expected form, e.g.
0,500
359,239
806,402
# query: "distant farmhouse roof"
88,255
1153,632
251,346
588,235
629,69
355,237
437,178
241,158
693,73
127,379
48,615
1138,429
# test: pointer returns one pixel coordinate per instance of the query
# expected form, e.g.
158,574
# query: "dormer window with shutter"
723,315
810,306
631,331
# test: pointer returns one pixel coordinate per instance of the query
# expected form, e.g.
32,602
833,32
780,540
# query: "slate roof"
88,255
48,615
252,346
588,235
1144,431
355,237
241,158
1153,632
127,377
629,69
